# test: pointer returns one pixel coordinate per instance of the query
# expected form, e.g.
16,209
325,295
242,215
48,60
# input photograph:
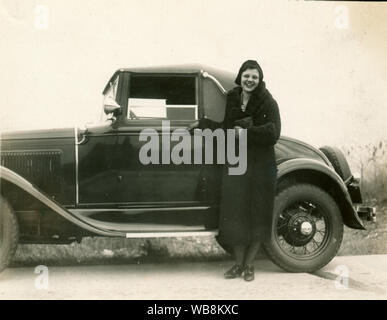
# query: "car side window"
214,101
172,97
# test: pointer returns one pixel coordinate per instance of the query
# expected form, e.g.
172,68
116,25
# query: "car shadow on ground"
120,252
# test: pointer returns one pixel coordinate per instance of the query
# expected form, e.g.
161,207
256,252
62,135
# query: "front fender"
19,181
306,167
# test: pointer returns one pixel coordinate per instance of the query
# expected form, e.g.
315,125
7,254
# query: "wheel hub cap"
299,230
306,228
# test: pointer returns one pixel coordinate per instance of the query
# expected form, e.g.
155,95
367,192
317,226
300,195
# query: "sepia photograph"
180,152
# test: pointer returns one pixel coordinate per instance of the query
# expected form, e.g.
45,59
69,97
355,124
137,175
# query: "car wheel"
9,233
337,158
307,229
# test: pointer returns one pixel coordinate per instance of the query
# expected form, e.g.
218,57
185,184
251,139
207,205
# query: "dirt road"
354,277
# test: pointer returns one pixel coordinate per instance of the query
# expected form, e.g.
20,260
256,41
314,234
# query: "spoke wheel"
302,230
307,229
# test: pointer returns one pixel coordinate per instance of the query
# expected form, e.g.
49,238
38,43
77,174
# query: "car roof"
226,78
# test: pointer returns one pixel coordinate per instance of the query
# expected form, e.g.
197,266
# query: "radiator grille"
42,168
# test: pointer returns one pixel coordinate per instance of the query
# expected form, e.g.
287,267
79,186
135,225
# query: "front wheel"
307,229
9,233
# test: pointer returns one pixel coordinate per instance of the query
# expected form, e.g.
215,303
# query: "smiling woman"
246,208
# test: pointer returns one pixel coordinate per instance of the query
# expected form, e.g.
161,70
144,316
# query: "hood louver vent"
42,168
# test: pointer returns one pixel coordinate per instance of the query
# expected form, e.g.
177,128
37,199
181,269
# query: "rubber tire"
9,231
318,196
337,158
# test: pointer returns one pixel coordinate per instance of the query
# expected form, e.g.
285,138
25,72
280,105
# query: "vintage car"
60,185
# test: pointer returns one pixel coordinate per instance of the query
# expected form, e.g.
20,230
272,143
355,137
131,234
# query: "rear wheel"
308,229
9,233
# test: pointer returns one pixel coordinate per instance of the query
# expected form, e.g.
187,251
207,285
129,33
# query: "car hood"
38,134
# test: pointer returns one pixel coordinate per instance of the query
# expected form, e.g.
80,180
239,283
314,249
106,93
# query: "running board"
171,234
133,227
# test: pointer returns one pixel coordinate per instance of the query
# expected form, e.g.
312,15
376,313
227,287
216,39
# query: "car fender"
350,216
14,178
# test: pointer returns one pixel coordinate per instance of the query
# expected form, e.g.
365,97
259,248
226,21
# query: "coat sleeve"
268,133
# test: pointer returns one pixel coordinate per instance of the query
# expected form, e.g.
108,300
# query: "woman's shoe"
234,272
249,272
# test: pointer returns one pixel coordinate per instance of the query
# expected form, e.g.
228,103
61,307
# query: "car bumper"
367,213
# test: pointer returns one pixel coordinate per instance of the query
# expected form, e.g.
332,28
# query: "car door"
162,195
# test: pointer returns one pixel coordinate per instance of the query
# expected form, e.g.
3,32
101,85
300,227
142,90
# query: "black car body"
65,184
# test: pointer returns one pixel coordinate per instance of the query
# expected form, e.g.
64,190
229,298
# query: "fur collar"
255,102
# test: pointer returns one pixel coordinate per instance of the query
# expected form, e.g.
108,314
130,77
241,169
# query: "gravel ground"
363,277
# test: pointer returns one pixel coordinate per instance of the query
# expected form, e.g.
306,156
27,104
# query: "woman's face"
249,80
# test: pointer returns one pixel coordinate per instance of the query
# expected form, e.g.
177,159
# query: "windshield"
110,93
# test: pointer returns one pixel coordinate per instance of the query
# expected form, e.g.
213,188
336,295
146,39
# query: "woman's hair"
249,64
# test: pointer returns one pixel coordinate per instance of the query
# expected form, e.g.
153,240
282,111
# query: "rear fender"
304,169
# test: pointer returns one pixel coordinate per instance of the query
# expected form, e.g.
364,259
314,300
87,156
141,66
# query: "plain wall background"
330,83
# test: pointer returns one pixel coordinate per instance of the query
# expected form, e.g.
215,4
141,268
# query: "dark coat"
246,207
